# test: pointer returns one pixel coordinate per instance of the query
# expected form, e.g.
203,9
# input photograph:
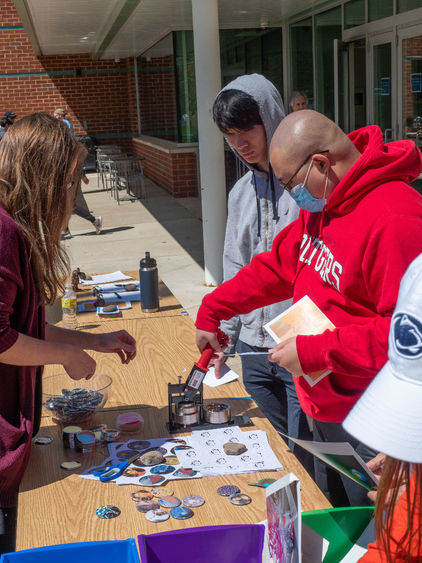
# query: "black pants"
339,489
8,520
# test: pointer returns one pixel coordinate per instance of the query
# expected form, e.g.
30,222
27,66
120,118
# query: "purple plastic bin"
241,543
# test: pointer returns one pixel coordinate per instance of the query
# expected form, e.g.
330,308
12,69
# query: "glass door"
350,84
410,85
383,85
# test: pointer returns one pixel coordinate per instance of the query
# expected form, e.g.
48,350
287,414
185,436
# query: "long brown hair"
395,473
36,159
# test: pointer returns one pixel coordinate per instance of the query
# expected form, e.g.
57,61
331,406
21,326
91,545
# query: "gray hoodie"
258,209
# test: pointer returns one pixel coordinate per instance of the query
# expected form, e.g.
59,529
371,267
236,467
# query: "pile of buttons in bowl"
74,405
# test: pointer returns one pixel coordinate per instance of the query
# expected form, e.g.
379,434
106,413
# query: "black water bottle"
148,278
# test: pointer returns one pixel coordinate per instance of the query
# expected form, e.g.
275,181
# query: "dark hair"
4,122
234,109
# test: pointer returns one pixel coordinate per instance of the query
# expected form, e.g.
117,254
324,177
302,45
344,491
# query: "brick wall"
103,95
176,172
157,90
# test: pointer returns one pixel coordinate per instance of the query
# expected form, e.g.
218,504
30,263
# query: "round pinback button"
43,440
181,513
193,501
184,472
125,454
169,502
162,492
138,445
171,460
107,511
179,448
70,465
240,499
157,449
151,480
146,505
133,472
161,469
141,495
227,490
158,515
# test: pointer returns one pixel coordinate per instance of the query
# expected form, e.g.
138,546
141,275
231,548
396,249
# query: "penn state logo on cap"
407,336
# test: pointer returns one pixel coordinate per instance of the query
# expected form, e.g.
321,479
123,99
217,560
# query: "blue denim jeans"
273,390
339,489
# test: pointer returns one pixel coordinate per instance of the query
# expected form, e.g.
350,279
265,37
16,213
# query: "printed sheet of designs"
208,456
169,468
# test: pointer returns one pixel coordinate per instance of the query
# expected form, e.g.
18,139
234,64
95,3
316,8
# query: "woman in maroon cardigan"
40,168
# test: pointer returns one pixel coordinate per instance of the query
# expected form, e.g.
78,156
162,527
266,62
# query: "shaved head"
307,132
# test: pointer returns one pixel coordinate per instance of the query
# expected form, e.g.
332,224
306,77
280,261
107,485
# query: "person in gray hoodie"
247,111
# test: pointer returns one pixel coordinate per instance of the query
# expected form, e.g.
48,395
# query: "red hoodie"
349,259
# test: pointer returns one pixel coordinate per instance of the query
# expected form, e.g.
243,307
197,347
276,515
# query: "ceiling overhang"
111,29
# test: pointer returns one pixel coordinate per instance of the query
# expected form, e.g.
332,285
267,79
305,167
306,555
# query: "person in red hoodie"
359,228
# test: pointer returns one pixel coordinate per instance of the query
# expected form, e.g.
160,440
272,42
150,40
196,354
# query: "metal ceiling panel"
68,26
79,26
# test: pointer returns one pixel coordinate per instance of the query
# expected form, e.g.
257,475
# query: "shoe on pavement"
98,224
66,235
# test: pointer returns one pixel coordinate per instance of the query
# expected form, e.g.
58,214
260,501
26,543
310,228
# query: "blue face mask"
305,199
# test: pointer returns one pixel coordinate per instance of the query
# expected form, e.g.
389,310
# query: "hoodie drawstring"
258,209
276,216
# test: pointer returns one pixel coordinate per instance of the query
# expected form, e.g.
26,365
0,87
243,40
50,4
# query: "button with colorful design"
151,480
107,511
158,515
227,490
181,513
193,501
240,499
169,502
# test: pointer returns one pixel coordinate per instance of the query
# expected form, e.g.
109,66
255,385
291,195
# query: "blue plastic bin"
241,543
123,551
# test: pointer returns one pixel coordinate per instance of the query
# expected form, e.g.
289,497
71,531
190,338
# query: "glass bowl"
73,401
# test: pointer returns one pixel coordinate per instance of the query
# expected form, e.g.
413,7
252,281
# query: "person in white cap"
388,418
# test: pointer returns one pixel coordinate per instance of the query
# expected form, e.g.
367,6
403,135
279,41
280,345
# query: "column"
211,147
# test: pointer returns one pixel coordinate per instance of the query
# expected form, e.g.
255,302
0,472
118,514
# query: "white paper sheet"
106,278
107,287
207,454
228,376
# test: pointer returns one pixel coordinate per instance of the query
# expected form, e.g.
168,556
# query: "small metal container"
217,413
109,434
68,435
187,413
85,441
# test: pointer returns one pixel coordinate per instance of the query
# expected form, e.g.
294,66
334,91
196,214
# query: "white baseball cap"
388,416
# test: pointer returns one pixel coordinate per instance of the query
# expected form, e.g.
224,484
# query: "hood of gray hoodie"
271,108
259,208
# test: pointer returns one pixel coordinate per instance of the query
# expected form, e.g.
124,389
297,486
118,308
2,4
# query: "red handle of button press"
205,358
208,352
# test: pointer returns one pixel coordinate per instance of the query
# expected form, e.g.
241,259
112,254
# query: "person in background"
247,112
359,228
298,101
4,125
40,167
10,116
81,207
388,418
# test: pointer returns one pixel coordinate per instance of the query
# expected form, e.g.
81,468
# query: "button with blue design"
107,511
161,469
181,513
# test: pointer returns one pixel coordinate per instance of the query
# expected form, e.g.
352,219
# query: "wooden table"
58,507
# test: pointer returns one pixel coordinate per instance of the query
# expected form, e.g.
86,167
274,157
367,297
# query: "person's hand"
79,364
285,355
204,337
119,342
376,465
218,360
